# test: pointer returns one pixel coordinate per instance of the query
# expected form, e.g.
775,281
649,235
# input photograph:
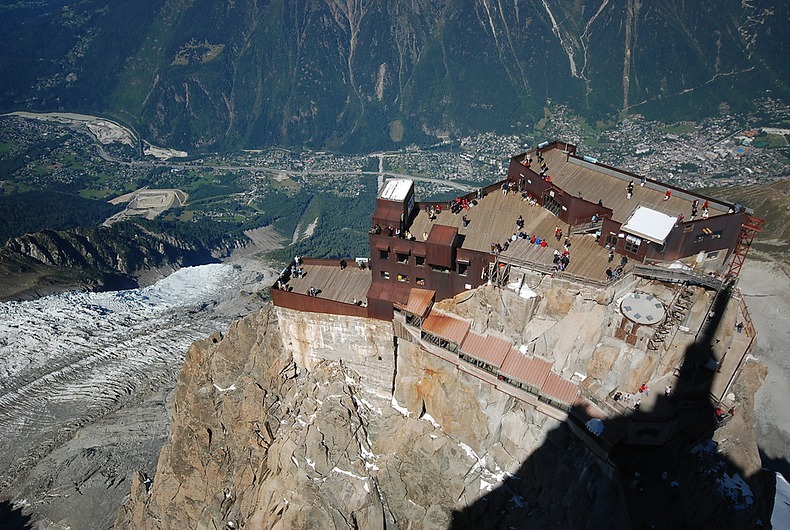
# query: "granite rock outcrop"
271,431
257,442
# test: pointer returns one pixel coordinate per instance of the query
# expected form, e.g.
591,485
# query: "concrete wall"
365,345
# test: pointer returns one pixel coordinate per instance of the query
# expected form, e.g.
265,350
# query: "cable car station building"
556,214
552,203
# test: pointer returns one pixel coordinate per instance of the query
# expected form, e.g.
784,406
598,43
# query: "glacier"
69,359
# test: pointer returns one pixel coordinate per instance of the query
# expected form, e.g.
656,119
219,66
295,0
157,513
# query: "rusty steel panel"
420,301
491,350
530,370
560,389
446,326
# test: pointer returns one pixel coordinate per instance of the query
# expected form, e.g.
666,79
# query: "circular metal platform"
642,309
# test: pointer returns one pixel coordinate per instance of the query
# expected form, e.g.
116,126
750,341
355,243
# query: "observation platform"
493,220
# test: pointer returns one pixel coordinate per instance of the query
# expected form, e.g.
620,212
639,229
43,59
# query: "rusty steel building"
555,213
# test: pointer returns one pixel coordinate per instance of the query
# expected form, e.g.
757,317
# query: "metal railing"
550,270
584,228
680,276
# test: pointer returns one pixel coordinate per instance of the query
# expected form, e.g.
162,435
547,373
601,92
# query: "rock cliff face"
101,258
364,345
296,420
257,442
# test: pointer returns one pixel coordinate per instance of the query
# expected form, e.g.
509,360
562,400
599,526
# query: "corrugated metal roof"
585,410
529,370
491,350
446,326
560,389
387,291
442,235
420,301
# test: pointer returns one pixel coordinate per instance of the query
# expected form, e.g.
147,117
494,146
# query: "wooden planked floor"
345,285
493,220
611,190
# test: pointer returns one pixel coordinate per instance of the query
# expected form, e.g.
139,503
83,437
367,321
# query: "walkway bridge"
663,274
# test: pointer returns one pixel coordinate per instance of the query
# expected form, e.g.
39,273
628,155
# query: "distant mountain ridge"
357,75
98,259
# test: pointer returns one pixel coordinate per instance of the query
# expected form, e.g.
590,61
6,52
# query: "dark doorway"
551,204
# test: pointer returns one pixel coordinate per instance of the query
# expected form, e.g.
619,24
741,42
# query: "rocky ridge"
259,441
95,258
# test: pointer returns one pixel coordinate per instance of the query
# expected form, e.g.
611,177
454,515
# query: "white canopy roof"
649,224
396,189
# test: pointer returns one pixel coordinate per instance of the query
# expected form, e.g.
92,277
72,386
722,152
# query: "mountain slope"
357,75
256,443
101,258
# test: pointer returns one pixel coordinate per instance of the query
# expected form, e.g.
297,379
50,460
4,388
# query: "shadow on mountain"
779,465
12,518
665,486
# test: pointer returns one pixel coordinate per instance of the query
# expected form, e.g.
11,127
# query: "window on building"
384,254
688,229
403,278
439,268
419,261
462,269
402,258
632,244
712,255
611,240
420,281
385,275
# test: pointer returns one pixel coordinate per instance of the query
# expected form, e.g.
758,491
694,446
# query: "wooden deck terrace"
332,282
493,220
594,182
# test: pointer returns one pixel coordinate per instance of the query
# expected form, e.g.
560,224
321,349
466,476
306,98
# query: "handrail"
532,265
583,228
551,271
747,317
658,273
679,276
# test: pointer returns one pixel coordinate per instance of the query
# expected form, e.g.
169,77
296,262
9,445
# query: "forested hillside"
21,213
356,75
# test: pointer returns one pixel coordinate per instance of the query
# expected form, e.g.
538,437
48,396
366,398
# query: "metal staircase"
749,231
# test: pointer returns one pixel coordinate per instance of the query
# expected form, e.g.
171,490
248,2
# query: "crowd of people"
544,168
295,271
561,257
695,209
